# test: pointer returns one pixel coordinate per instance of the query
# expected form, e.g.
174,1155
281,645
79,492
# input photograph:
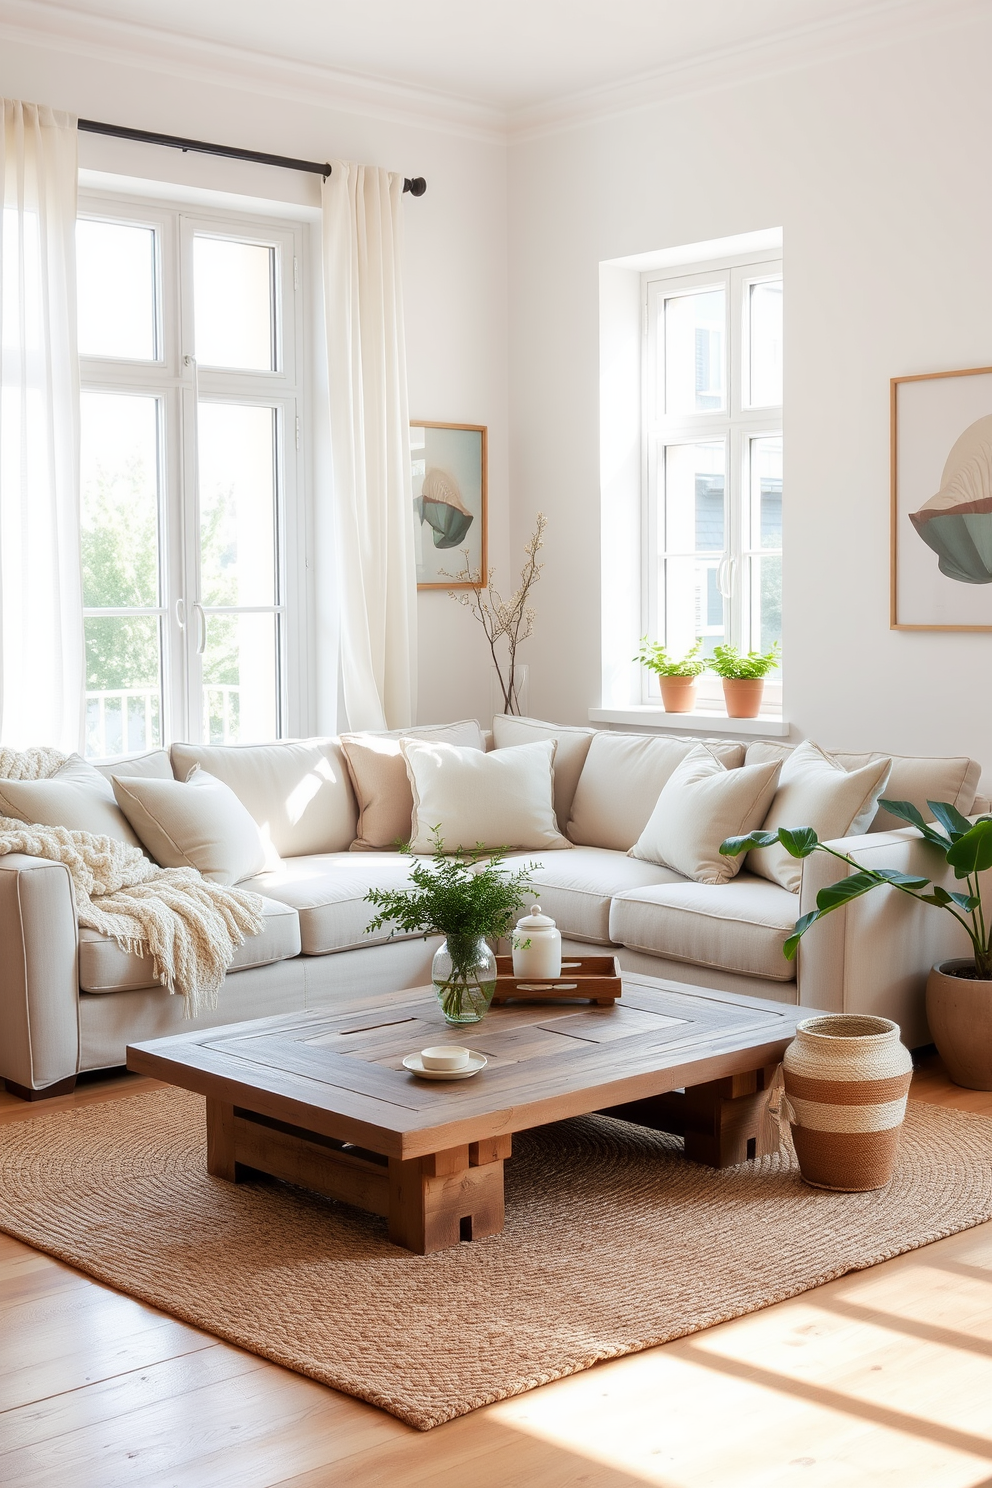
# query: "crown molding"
58,28
870,27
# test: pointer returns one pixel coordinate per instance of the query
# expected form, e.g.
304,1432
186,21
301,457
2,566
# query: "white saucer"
476,1062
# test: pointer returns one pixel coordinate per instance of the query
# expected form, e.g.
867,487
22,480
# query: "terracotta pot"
743,696
846,1082
959,1011
678,694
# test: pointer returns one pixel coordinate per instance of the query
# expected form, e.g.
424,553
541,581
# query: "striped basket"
846,1082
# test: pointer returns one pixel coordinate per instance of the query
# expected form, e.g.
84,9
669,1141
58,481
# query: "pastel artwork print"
448,474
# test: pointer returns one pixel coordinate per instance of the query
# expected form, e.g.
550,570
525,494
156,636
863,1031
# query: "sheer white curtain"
370,443
41,626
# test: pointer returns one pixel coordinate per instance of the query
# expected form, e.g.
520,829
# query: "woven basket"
846,1082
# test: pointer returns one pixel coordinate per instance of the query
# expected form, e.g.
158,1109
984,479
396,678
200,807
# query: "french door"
191,533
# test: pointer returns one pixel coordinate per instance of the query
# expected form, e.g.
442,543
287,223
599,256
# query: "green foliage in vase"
450,898
965,847
654,656
735,665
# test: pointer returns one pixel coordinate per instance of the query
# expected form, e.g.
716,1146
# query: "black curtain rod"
416,187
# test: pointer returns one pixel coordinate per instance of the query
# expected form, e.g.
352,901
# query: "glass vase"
464,976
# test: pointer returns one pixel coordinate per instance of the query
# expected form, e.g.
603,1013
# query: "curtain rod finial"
416,187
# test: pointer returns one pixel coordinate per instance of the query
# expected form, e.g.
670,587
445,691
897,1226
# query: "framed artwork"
449,476
941,542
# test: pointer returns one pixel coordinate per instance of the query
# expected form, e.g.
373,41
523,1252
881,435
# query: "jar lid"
535,920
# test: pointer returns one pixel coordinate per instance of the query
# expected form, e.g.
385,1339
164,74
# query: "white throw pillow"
499,799
621,780
382,787
816,791
77,796
572,746
196,823
701,804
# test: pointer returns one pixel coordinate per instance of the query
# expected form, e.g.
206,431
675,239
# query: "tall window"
190,429
713,457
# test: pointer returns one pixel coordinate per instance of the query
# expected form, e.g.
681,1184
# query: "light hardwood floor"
881,1378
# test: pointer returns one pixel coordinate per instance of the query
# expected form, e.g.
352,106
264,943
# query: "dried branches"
510,620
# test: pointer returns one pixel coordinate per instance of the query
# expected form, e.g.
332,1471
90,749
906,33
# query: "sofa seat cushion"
738,926
104,967
576,888
328,892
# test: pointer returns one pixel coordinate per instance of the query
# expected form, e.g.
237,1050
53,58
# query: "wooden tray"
596,978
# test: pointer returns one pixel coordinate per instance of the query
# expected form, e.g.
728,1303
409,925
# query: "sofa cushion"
739,926
571,748
701,804
104,967
472,799
576,888
814,790
196,823
916,778
77,796
621,781
298,791
381,784
328,893
156,764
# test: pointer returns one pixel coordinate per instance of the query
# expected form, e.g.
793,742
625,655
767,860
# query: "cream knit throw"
189,926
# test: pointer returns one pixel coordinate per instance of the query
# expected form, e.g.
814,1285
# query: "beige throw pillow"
701,804
196,823
77,796
814,790
382,787
572,746
499,799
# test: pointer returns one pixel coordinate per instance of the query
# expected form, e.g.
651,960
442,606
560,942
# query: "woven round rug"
613,1243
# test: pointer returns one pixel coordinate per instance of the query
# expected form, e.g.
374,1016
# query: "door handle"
181,613
201,627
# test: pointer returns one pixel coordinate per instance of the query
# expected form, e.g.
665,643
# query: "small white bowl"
445,1057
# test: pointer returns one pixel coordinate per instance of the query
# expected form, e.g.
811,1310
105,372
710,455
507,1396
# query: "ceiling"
509,55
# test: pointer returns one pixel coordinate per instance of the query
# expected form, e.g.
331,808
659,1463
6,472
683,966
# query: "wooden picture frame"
452,517
932,414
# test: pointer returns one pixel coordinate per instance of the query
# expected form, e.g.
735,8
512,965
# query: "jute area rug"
613,1243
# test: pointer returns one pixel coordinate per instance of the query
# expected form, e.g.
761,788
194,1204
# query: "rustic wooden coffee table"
321,1099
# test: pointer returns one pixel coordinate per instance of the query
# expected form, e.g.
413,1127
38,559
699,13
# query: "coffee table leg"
437,1200
220,1140
723,1123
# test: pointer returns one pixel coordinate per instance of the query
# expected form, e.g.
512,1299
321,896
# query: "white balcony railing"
127,720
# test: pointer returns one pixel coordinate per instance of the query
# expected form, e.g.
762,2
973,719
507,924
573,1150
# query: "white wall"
876,166
456,258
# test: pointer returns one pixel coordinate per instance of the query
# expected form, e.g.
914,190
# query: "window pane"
240,679
766,601
115,274
694,340
694,605
694,498
120,500
766,493
765,341
237,504
123,684
233,300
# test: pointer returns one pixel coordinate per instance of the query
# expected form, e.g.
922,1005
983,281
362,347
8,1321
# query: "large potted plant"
470,906
676,676
959,991
743,677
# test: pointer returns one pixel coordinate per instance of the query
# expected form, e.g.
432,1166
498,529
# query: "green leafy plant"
451,897
654,656
728,662
966,848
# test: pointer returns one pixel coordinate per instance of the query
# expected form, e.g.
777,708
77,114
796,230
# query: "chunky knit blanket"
189,926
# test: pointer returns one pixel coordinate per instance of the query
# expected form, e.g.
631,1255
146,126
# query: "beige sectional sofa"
71,1000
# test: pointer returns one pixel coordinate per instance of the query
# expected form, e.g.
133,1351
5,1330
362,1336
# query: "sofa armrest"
39,984
873,955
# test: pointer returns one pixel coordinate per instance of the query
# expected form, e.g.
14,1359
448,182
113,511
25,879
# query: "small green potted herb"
677,678
743,677
469,906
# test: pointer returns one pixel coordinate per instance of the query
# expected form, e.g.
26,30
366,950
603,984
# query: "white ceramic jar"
536,944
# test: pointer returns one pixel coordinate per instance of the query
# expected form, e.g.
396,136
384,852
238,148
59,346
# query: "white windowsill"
766,726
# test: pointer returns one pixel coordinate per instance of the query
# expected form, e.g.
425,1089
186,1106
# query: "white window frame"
177,382
736,425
